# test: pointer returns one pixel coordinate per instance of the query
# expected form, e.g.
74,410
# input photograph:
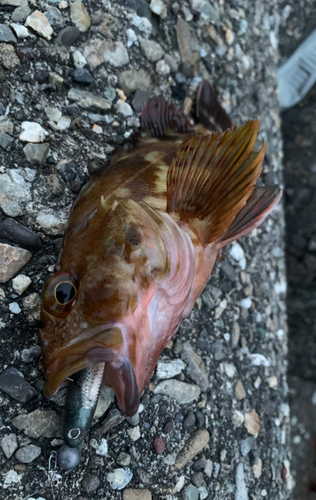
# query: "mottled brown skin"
139,253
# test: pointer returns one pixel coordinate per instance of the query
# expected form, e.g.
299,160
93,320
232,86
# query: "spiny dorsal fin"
157,116
212,177
258,206
208,110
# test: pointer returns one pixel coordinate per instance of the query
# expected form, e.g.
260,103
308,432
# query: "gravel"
198,412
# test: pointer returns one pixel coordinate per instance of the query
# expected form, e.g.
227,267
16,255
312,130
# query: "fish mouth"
62,363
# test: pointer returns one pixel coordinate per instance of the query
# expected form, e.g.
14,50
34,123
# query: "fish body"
141,243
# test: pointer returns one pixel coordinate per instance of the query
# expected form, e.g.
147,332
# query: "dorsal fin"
208,110
212,177
157,116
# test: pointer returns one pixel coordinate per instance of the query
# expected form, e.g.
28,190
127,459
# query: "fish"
140,245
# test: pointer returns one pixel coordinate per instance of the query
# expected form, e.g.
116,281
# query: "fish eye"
65,292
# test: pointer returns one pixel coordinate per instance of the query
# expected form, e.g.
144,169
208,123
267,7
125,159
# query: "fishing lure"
140,245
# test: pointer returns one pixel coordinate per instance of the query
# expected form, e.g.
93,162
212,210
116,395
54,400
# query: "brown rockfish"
141,243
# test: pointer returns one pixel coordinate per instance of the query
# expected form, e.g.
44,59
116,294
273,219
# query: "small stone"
39,423
53,114
229,369
8,58
136,494
55,18
246,303
131,80
229,35
68,458
6,34
36,154
12,259
10,478
159,445
13,383
51,221
32,132
158,8
182,392
162,68
39,23
192,447
195,366
119,478
5,141
32,306
240,392
252,422
123,108
13,230
238,254
82,75
190,493
31,354
20,14
55,79
257,468
87,100
123,459
188,43
90,483
189,420
197,479
151,50
272,381
235,333
241,488
134,433
80,16
113,419
6,126
14,308
78,59
102,448
98,51
169,368
258,359
134,420
67,36
131,37
139,99
237,418
9,444
21,31
28,453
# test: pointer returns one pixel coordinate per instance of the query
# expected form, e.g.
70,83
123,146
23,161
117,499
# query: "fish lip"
70,359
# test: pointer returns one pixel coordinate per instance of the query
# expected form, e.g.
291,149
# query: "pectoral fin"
258,206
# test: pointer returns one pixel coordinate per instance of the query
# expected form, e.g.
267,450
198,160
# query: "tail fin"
208,110
212,177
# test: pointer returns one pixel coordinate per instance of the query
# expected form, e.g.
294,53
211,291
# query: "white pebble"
32,132
246,303
21,283
78,59
134,433
168,369
131,37
259,360
14,308
102,449
124,108
119,478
